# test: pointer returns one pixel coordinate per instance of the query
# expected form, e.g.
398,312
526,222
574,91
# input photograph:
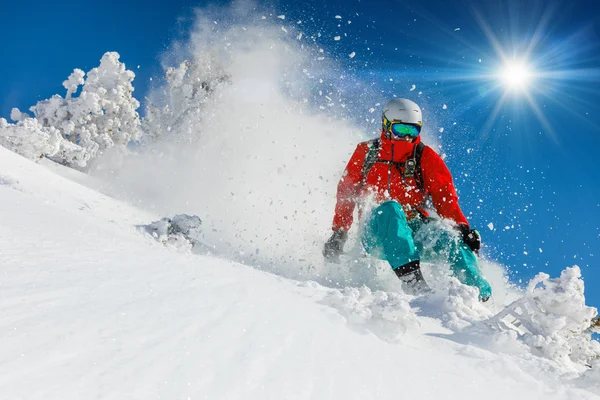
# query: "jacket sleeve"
348,189
438,182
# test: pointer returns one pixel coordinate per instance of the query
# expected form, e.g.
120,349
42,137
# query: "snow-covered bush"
32,140
188,87
74,130
28,137
182,231
552,318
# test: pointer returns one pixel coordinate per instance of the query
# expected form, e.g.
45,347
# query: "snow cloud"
240,142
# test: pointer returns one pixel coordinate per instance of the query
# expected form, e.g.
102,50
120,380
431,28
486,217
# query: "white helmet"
402,110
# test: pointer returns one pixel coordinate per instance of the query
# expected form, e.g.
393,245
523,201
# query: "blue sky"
535,172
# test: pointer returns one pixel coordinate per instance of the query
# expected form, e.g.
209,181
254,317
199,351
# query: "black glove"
471,237
335,246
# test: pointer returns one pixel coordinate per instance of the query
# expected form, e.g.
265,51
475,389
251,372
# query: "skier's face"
403,138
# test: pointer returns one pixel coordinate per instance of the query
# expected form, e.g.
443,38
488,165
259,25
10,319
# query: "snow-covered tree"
188,87
553,319
102,116
28,138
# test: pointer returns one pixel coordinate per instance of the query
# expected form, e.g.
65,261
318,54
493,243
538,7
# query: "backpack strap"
371,157
418,171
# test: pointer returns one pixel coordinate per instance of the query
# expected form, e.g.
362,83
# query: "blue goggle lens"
402,130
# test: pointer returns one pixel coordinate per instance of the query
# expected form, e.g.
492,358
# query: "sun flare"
516,75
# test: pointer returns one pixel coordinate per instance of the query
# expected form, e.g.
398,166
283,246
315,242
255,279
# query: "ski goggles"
400,129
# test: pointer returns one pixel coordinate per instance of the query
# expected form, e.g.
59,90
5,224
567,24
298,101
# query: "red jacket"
385,182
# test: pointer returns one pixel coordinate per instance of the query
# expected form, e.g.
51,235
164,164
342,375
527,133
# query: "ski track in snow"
91,307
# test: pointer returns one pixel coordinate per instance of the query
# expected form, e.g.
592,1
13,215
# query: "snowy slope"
91,307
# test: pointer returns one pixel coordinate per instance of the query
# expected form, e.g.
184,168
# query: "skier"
392,179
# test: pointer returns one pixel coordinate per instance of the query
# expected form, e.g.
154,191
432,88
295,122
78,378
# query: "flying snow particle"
281,16
351,55
299,37
337,38
541,251
457,29
444,107
441,130
338,17
413,87
283,29
491,226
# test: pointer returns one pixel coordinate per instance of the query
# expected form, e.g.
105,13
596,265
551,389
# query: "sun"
525,69
516,75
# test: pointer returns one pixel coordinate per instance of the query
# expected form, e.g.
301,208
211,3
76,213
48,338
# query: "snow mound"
8,181
591,378
181,232
385,314
462,306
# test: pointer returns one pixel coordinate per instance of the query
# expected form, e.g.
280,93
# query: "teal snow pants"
388,235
